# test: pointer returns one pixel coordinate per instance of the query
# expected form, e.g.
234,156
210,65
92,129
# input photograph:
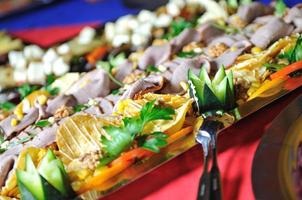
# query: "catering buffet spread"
83,118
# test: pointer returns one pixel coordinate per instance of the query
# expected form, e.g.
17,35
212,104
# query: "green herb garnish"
280,8
156,141
110,64
52,90
26,89
186,54
7,106
122,137
152,68
42,123
178,26
294,54
226,28
116,91
273,67
80,107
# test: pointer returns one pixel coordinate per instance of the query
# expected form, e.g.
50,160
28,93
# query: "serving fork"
209,183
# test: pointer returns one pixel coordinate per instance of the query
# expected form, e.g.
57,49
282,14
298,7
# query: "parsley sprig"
294,54
25,89
122,137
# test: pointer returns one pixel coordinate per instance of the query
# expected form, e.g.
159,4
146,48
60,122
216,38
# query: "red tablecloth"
178,179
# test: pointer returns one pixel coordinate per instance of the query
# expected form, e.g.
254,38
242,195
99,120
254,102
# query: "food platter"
101,110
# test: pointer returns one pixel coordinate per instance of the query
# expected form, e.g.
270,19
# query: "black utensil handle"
215,183
203,188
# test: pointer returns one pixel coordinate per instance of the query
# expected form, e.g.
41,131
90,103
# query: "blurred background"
16,15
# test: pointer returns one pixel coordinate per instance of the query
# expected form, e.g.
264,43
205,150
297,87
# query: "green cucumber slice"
219,76
31,180
52,170
196,88
210,101
221,90
204,77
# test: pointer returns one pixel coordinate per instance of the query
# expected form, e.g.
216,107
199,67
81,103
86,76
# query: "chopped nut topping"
217,50
91,160
63,111
133,77
193,46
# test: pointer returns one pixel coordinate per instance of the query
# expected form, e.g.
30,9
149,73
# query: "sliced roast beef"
185,37
44,137
181,72
7,129
123,70
264,19
293,13
144,85
298,25
6,165
113,98
271,32
59,101
94,84
251,11
209,32
103,106
230,55
155,55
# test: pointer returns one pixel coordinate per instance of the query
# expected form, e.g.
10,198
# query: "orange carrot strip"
287,70
96,54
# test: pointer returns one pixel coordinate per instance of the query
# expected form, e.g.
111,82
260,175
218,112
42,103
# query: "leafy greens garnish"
7,106
80,107
122,137
294,54
280,8
25,89
178,26
110,64
226,28
273,67
42,123
152,68
156,141
186,54
52,90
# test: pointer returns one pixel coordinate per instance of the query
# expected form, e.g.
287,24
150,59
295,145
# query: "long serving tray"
139,169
